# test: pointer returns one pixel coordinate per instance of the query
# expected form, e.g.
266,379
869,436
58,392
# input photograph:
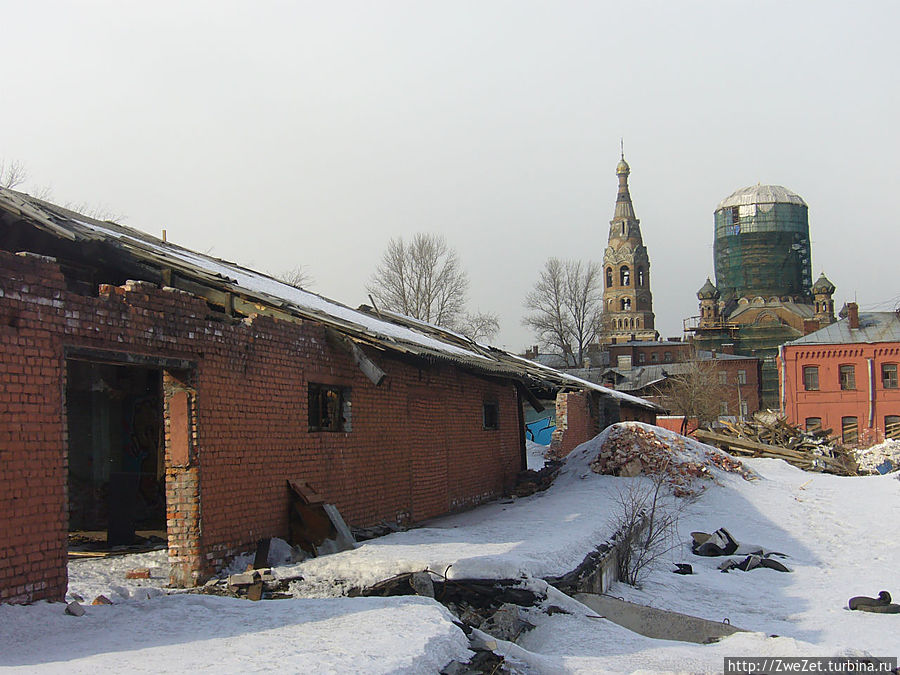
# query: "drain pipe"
783,378
871,393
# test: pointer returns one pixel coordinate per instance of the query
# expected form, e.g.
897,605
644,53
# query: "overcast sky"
275,134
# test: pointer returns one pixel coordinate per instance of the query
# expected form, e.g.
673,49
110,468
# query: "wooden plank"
369,368
305,492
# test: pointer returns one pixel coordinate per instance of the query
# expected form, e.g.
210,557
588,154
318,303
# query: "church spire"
624,207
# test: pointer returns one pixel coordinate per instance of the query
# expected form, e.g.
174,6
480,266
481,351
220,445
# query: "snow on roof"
873,327
761,194
402,333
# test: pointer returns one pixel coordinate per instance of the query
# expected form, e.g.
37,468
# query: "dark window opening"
848,377
813,423
609,280
625,276
490,413
811,378
889,375
667,357
329,408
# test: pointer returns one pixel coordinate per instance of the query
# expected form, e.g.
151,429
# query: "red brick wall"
416,449
830,402
577,421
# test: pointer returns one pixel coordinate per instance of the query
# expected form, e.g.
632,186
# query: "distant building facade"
763,296
844,377
627,300
644,369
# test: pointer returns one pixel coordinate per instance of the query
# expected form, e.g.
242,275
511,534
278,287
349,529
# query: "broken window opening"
329,408
609,277
640,277
625,275
849,430
742,377
892,427
813,423
490,414
116,454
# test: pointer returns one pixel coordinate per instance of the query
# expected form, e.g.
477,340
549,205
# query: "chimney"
728,348
853,314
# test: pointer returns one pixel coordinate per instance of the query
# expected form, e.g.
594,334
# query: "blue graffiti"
540,430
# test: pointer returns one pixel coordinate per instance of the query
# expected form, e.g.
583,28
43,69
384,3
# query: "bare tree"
297,277
565,306
422,279
645,519
479,325
695,393
12,174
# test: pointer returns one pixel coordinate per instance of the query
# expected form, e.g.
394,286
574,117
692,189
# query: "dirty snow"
842,535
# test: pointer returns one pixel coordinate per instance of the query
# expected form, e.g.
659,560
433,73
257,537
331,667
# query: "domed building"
763,295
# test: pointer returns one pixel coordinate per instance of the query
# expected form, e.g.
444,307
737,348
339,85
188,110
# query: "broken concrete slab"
507,623
657,623
422,584
74,609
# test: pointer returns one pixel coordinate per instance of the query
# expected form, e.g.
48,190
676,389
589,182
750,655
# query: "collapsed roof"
74,238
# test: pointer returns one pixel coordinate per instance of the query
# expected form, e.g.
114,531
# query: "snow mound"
630,449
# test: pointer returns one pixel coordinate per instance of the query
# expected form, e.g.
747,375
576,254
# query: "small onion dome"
622,167
823,285
708,292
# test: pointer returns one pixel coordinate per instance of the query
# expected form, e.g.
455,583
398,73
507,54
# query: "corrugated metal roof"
873,327
386,331
761,194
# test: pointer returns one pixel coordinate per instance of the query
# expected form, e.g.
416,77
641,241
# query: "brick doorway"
116,454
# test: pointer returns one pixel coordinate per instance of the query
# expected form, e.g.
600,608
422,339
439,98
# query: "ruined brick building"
763,295
144,386
627,300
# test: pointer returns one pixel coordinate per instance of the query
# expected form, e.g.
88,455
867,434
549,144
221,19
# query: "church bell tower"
627,301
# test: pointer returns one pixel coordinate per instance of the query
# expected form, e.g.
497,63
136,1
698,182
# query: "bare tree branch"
479,325
296,277
422,279
565,306
12,174
695,393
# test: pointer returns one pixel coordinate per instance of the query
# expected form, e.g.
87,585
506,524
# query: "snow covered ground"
842,536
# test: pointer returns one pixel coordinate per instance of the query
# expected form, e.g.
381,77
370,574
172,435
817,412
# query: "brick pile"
632,450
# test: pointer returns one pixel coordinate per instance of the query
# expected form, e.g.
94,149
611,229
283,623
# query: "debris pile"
881,458
632,450
776,438
529,481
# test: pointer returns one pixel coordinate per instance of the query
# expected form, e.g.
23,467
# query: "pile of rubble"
632,450
773,437
881,458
